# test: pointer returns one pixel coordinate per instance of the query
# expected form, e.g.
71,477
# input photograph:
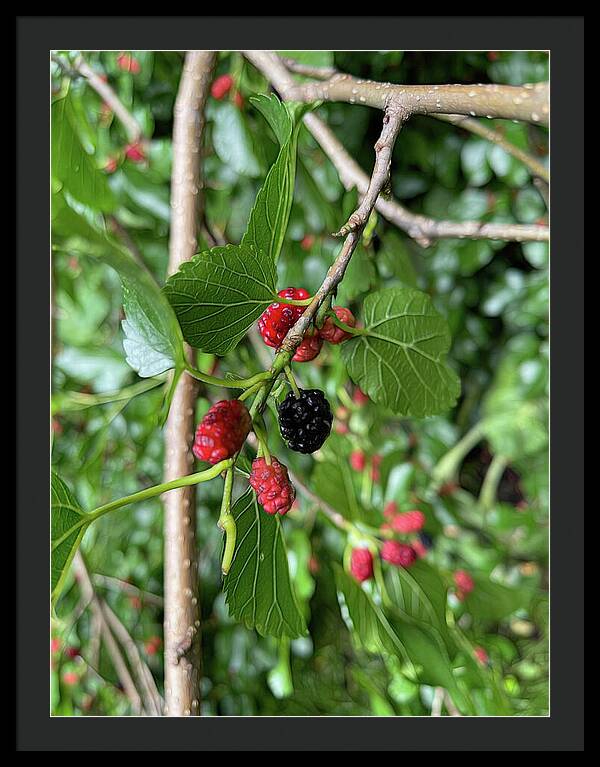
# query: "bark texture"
182,613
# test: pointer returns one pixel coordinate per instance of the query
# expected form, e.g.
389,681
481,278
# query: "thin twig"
88,593
421,228
152,699
495,136
107,94
127,588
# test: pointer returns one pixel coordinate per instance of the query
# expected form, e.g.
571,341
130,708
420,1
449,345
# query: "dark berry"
426,540
361,564
399,554
222,431
305,421
330,331
272,486
309,347
277,319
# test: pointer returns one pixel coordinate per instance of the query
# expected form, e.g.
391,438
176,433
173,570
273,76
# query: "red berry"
399,554
150,648
70,678
72,652
221,86
111,165
307,241
135,602
313,565
464,582
408,522
357,460
390,510
330,331
376,462
448,488
272,486
222,431
127,63
359,397
419,548
135,152
341,427
277,319
481,655
238,100
309,348
361,564
55,644
492,55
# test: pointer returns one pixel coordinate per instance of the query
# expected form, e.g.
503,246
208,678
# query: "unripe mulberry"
330,331
399,554
277,319
272,486
222,431
361,564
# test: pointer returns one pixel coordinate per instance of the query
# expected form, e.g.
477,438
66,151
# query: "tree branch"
90,596
524,102
182,615
107,94
474,126
421,228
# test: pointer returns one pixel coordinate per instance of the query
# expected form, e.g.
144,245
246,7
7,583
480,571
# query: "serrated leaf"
220,293
72,166
407,640
269,217
400,361
275,114
420,593
66,532
257,588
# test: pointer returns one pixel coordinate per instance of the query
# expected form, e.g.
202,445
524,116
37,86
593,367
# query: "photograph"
299,388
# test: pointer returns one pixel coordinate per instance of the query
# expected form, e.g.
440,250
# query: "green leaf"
72,166
66,532
232,141
257,588
491,601
269,217
407,640
400,361
420,593
154,342
275,114
220,293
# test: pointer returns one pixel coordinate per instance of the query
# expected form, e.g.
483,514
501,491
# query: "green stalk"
228,383
143,495
226,522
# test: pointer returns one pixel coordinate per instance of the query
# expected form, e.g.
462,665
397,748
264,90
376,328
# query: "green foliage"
399,361
257,588
288,631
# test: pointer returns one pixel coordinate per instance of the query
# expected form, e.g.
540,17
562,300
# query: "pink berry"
221,86
399,554
357,460
361,564
408,522
464,582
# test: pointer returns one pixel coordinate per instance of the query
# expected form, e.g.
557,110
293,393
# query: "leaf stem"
228,383
347,328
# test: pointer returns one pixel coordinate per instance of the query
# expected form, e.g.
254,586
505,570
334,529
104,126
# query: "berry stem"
290,377
258,426
228,383
346,328
226,522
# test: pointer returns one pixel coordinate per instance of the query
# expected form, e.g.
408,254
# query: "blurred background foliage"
495,296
